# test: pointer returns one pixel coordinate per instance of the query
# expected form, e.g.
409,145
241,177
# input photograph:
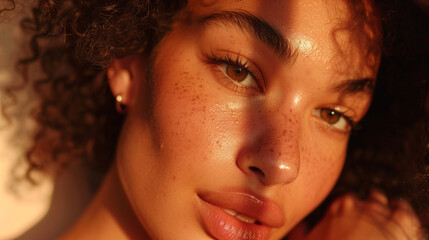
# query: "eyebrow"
353,86
272,38
256,27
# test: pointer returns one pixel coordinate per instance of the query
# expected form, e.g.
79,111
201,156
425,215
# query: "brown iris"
236,72
330,116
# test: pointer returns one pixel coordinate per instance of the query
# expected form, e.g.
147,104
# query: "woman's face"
239,126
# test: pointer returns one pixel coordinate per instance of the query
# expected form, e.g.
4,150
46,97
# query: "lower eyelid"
331,131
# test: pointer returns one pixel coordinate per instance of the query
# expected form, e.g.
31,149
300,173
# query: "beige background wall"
19,209
29,212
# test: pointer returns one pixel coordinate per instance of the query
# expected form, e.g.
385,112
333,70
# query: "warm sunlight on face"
242,128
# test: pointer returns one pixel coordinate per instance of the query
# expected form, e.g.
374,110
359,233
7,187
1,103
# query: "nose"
272,153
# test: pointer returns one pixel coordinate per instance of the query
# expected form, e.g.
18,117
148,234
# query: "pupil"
238,70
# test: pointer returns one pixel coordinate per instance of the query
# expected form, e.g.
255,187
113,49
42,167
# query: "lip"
224,226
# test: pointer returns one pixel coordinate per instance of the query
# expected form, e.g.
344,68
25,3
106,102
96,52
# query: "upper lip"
263,210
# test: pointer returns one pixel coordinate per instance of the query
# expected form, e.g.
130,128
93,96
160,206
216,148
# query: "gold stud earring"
120,106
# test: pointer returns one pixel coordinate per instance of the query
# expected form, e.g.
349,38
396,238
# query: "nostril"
257,170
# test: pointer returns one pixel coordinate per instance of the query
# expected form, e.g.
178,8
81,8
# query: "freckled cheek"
190,123
321,165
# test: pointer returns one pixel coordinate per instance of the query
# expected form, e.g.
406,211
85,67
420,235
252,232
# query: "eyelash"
347,116
353,124
241,62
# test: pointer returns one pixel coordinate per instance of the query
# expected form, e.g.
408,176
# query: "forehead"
284,14
315,30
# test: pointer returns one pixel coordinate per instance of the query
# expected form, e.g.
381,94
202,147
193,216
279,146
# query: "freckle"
284,132
271,150
201,86
280,154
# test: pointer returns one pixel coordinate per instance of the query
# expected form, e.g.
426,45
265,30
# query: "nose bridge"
274,155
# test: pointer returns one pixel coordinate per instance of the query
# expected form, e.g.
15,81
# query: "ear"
121,75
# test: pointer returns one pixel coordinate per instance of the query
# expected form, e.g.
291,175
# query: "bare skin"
109,216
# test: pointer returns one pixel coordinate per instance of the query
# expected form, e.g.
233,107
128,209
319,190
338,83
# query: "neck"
109,216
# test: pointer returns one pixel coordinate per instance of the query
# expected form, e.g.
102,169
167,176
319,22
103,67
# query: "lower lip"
224,226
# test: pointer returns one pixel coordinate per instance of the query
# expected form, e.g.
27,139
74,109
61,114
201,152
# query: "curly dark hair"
75,40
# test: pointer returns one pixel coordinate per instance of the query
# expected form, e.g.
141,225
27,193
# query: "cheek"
324,162
321,166
190,124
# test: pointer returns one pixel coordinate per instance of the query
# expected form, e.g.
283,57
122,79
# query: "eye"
334,118
239,74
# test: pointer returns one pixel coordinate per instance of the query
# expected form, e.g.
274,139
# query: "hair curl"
75,40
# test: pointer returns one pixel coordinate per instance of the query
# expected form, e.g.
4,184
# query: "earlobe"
120,106
121,75
119,81
125,76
